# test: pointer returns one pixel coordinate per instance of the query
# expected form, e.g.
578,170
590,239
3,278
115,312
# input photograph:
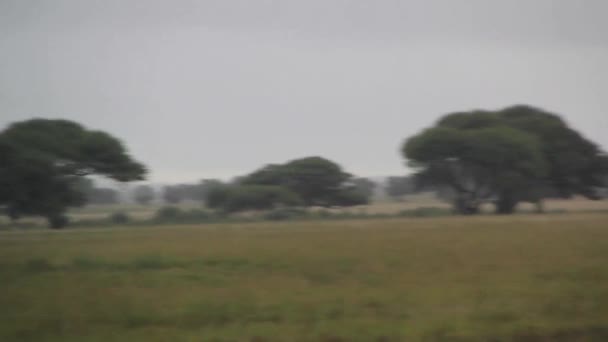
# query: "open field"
521,278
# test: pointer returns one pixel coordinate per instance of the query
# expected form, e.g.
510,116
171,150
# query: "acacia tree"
42,160
317,181
516,154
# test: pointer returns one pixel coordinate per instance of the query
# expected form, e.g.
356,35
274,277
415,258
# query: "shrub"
119,217
258,197
58,221
168,213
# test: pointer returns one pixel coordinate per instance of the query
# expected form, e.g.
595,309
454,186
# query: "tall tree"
41,160
516,154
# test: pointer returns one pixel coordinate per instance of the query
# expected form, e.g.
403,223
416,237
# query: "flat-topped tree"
316,180
519,153
41,161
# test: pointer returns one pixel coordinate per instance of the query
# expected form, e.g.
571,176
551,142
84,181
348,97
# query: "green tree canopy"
316,180
506,156
41,161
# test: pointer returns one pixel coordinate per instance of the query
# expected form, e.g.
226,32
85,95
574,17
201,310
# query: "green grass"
521,278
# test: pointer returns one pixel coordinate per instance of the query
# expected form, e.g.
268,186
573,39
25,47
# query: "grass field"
520,278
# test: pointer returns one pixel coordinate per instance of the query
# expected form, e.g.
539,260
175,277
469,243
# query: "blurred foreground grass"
520,278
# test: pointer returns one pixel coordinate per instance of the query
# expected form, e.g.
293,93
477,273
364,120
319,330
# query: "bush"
242,197
119,218
168,213
58,221
284,214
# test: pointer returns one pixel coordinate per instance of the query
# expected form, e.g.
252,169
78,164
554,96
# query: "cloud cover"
201,89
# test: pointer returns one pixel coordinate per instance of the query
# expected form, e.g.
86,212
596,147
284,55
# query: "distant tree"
144,194
168,213
516,154
364,186
102,196
202,190
119,217
350,196
397,187
218,196
317,181
93,194
41,160
173,194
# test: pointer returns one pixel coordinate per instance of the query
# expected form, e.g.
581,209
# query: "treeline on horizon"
503,157
368,189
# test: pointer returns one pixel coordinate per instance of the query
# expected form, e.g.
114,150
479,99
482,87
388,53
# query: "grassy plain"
518,278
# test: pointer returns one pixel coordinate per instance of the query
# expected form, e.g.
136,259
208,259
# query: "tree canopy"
41,160
316,180
505,156
310,181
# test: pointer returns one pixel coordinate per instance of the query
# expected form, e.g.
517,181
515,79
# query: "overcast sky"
200,89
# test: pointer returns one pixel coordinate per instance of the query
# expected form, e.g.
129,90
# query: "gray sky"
201,89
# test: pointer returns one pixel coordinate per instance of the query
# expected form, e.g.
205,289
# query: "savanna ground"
488,278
